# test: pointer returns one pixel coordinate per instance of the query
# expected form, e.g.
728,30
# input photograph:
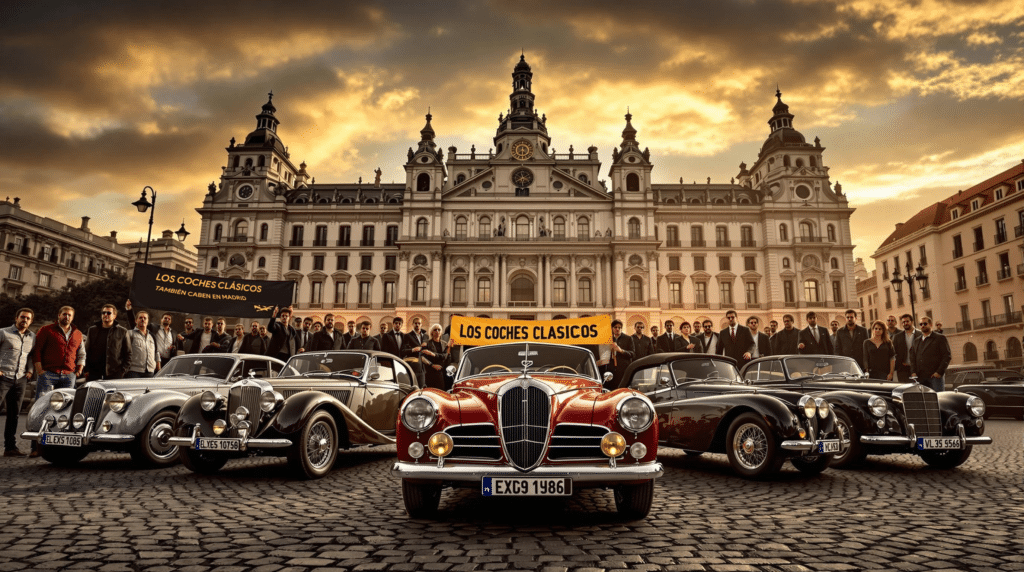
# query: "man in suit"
364,341
814,339
304,337
328,338
621,354
350,334
669,341
206,340
786,340
391,341
929,357
902,341
834,327
850,339
735,341
708,341
762,345
282,334
654,339
412,350
641,343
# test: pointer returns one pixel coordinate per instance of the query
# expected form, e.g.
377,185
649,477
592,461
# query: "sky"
912,100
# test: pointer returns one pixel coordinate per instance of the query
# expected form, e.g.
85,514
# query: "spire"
629,133
266,119
781,117
427,133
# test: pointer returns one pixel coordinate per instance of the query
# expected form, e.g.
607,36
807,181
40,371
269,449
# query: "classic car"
527,419
880,417
133,415
1002,390
321,402
703,406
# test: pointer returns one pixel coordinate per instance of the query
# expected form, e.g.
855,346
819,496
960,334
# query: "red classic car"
527,419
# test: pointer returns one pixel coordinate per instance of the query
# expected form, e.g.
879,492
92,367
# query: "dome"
522,65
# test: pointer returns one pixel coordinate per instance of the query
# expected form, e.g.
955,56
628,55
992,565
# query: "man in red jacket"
59,355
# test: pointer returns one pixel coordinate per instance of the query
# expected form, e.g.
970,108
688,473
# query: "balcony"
981,280
344,242
1020,270
236,238
702,305
789,304
958,252
367,242
673,243
748,243
698,242
560,304
960,285
322,242
963,326
723,242
753,306
295,242
1000,237
997,320
522,304
978,245
1018,231
810,239
991,356
1004,273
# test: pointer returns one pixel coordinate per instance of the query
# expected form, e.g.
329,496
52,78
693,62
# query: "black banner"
163,289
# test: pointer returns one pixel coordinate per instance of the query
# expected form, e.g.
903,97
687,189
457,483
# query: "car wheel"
202,462
313,455
948,459
62,456
151,448
751,447
421,500
853,454
634,501
811,464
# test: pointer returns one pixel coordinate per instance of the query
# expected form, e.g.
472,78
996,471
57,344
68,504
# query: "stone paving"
895,513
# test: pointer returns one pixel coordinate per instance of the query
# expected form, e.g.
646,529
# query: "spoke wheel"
421,500
313,455
634,501
751,447
853,454
151,448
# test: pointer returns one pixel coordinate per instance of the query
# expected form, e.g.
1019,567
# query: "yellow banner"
487,331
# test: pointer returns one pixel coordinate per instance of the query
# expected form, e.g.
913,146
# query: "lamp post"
142,204
919,276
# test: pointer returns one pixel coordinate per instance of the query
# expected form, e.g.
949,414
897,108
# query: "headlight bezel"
976,406
823,407
877,406
403,415
64,400
623,416
613,445
118,401
808,405
269,400
210,400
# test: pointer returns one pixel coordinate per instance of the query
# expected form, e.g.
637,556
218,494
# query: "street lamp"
142,204
182,233
920,277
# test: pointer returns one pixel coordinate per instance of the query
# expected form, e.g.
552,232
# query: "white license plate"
828,446
527,487
61,440
925,443
219,444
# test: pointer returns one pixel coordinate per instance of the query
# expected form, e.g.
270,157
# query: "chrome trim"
524,382
801,445
912,441
475,473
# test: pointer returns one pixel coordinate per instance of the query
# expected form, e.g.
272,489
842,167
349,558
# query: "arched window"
483,291
485,227
785,161
636,290
811,294
522,228
264,231
459,290
583,228
806,230
214,262
419,260
583,177
218,231
799,162
460,179
785,263
423,182
558,227
560,295
632,182
1013,347
297,235
831,233
783,232
242,229
834,263
419,289
991,351
814,162
970,352
421,228
461,227
261,161
522,290
585,294
234,162
262,262
634,227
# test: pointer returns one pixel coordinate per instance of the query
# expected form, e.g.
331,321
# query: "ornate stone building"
520,231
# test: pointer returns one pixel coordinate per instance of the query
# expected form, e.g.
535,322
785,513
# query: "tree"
86,298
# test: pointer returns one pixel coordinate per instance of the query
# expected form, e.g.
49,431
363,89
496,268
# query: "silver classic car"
321,402
134,415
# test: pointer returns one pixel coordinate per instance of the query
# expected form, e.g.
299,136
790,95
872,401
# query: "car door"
657,383
382,395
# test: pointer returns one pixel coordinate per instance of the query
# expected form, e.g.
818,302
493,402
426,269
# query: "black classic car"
880,417
134,415
1002,390
320,403
703,406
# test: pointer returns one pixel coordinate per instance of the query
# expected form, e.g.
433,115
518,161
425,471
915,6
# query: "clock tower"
522,135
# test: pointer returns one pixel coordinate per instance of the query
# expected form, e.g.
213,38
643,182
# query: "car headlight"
878,406
58,400
117,401
78,421
976,405
613,445
240,414
807,404
62,422
440,444
268,400
219,426
822,406
209,400
635,414
419,414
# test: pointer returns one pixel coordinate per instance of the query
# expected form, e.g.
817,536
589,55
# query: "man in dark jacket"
621,354
282,334
206,340
108,354
391,341
328,338
411,351
364,341
814,339
762,345
654,339
669,341
929,357
902,341
641,344
850,339
735,341
786,340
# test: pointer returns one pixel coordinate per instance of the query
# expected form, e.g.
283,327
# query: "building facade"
971,245
522,231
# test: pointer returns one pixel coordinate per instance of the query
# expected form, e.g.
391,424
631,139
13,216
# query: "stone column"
435,282
617,279
543,265
403,280
471,283
652,273
572,286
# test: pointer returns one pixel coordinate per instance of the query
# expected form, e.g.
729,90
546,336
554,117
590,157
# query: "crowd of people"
60,355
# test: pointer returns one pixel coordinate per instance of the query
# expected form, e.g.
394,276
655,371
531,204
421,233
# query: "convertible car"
704,407
134,415
880,417
321,401
527,419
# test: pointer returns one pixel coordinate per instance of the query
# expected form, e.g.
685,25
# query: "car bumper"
88,436
475,473
190,442
909,442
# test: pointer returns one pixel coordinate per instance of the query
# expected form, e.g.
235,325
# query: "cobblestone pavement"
893,514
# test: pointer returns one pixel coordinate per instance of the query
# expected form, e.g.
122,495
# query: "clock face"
522,150
245,192
522,178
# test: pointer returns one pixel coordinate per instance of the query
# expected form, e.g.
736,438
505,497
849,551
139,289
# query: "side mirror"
450,370
608,376
374,374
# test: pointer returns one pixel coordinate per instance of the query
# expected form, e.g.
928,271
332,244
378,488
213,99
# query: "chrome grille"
921,408
247,396
88,401
525,417
570,441
475,441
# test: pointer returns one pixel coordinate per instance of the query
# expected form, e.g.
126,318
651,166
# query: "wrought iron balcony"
960,285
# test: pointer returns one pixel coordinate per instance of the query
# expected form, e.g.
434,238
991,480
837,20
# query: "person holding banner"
364,341
282,335
435,357
621,354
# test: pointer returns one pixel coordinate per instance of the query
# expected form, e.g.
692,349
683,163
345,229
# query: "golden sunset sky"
913,100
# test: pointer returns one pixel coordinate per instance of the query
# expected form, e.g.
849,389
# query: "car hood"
870,386
575,398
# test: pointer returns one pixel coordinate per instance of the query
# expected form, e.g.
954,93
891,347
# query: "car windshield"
326,363
199,364
536,358
823,366
704,369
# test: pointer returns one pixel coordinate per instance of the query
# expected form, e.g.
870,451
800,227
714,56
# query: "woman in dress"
437,355
879,355
686,343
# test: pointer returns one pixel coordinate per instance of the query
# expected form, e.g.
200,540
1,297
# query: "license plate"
527,487
925,443
61,440
828,446
219,444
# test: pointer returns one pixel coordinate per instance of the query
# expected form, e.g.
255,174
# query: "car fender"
776,413
191,414
953,408
141,410
299,408
42,406
855,405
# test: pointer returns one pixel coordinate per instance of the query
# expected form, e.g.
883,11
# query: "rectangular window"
14,273
698,263
316,293
295,262
390,289
982,272
673,263
751,292
585,292
723,263
321,236
986,310
700,293
885,270
366,262
1020,185
461,228
341,292
979,239
368,236
390,262
365,292
342,262
965,318
672,236
961,279
560,293
958,246
787,292
391,238
749,263
1008,307
459,290
44,280
297,231
837,291
721,236
1000,231
318,262
922,256
999,194
697,236
725,292
345,235
675,290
